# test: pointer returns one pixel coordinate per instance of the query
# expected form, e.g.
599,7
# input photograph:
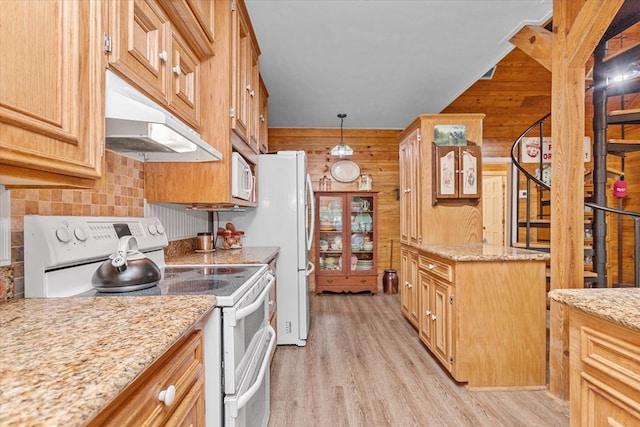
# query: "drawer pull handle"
168,396
431,266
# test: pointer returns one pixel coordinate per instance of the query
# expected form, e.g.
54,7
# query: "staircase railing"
516,157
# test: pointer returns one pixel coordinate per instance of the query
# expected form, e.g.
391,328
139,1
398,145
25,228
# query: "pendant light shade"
341,149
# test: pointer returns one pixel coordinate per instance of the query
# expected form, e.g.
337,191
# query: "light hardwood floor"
364,365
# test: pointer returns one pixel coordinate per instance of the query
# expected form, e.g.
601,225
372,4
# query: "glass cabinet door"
331,246
362,232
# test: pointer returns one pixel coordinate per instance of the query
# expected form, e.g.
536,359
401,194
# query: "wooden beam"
588,28
536,42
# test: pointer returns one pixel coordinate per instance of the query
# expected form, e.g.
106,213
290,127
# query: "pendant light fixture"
341,149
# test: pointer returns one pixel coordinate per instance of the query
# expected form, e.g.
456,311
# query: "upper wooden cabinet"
245,78
426,216
51,95
195,19
225,113
263,118
410,211
147,50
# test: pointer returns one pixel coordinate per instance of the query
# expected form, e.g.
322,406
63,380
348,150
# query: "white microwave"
242,180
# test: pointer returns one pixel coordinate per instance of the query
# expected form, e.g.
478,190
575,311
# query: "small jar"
325,183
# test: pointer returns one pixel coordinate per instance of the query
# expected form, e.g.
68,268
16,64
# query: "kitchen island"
604,354
480,310
64,360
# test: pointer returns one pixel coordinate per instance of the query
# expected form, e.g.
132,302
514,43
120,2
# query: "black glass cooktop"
218,280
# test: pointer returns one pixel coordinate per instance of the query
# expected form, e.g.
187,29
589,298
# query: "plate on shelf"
345,171
357,240
354,261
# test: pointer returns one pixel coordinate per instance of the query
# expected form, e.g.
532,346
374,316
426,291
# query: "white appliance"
284,218
241,178
62,252
141,129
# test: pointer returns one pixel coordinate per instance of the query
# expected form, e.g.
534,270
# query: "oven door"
245,330
250,406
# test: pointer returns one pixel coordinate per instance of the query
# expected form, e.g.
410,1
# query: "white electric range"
62,253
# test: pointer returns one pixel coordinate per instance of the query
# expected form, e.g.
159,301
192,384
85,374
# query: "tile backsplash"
122,195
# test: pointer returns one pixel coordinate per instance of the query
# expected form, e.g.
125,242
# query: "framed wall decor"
450,135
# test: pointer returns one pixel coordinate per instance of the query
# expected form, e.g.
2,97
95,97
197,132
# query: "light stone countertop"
619,305
63,360
483,252
246,255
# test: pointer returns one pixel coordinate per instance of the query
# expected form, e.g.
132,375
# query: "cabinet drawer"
182,366
436,267
611,354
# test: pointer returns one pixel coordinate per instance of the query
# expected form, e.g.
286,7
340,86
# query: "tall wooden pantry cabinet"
346,236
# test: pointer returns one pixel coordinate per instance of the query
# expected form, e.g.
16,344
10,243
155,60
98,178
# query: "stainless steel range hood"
141,129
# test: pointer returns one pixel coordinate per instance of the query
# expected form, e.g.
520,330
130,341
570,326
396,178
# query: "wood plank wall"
376,153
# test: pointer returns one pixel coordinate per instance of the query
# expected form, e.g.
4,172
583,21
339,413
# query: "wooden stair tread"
623,145
630,116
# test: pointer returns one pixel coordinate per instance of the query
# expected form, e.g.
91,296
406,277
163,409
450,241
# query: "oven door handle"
243,312
243,399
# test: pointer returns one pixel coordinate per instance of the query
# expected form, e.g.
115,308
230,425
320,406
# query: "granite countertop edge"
618,305
95,348
482,252
246,255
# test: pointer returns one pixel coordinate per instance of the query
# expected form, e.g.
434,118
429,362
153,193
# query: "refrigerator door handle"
310,228
310,268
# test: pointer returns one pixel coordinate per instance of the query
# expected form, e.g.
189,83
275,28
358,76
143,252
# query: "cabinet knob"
431,266
168,396
251,93
261,118
433,317
248,87
177,70
428,312
163,55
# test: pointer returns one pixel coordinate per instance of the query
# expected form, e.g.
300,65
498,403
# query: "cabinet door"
362,237
195,20
425,293
332,250
446,172
263,117
51,101
409,288
410,189
140,51
470,161
253,99
442,322
185,81
240,73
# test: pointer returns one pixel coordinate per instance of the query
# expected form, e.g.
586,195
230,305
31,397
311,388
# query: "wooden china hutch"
346,256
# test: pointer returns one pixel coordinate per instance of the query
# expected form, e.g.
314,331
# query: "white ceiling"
382,62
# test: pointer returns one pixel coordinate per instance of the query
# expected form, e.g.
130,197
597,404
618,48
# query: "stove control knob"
80,234
160,229
63,234
152,229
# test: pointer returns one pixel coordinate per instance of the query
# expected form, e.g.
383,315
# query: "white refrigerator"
284,218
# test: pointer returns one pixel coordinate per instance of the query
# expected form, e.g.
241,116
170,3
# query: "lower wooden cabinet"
483,320
409,285
180,371
605,372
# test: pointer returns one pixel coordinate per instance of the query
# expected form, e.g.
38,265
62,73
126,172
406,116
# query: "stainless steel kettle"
127,269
